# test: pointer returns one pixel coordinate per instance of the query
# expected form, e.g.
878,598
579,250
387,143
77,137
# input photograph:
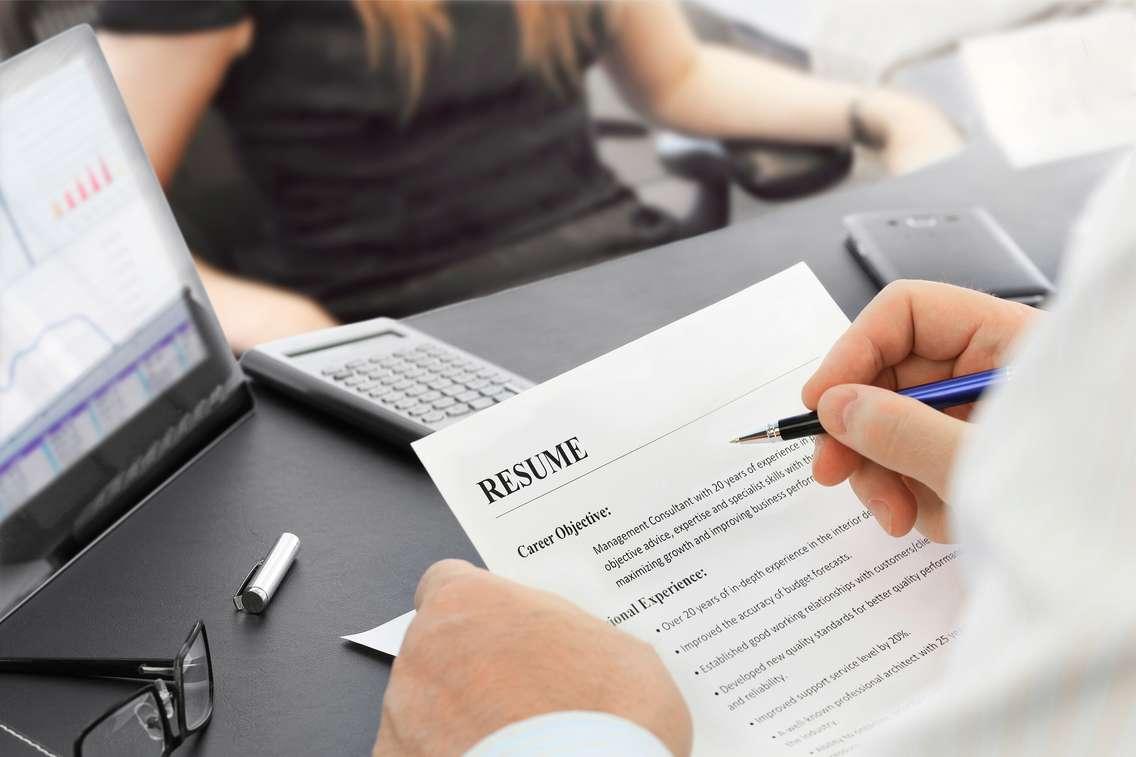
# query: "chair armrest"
766,170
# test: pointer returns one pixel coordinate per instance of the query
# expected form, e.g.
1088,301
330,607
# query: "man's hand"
484,652
897,452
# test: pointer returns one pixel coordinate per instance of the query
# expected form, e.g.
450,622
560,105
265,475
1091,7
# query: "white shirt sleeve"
1044,503
571,734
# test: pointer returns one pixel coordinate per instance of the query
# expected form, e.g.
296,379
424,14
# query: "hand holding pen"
897,452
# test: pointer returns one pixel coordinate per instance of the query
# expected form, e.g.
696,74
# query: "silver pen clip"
237,602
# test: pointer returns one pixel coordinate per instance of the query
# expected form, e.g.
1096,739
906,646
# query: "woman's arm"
714,91
167,81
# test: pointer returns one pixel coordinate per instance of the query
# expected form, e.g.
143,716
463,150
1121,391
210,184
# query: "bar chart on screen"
79,271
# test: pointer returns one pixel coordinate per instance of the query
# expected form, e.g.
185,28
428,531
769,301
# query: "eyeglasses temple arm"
144,670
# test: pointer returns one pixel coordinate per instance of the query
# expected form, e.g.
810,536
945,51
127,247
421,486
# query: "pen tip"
760,436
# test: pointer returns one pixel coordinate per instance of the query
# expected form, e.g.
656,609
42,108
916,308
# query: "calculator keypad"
428,383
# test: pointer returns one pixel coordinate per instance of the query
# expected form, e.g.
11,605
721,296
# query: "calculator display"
387,336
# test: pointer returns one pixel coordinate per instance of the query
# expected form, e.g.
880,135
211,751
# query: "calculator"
383,376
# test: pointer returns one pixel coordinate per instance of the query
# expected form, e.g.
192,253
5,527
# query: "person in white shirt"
1042,494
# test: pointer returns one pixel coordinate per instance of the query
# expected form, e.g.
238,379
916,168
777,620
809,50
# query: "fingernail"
838,403
881,512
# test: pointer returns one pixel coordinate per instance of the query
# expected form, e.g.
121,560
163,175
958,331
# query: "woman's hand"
911,132
271,314
484,652
252,312
896,452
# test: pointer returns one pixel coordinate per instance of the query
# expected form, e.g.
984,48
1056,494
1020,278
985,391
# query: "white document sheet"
386,638
1058,89
791,623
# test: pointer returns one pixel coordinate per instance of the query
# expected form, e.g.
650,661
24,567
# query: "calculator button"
433,417
378,358
393,397
488,373
439,383
430,396
404,384
477,383
418,410
466,396
342,375
356,364
419,373
480,403
367,386
415,390
406,402
496,391
461,378
502,396
332,371
354,380
499,379
457,410
379,393
453,391
445,402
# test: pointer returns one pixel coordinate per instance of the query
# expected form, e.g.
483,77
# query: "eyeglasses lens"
133,730
196,679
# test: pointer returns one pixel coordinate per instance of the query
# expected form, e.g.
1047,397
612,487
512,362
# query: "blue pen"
939,394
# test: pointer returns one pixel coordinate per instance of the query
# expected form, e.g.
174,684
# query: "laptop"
114,372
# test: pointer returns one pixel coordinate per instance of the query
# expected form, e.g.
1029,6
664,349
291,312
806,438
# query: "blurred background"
330,162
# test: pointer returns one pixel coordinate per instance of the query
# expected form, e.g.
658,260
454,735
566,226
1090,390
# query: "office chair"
220,210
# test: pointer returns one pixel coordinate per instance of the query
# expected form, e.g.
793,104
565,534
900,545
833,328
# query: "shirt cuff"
570,734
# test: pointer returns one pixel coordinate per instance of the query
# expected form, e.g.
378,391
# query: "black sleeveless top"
364,195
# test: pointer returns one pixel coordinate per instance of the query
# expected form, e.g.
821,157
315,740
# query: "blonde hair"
549,33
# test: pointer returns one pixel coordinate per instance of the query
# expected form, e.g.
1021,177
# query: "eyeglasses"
153,721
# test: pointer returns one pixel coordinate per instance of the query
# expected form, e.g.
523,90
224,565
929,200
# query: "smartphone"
966,247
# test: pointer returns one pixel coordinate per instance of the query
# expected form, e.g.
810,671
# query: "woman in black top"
414,153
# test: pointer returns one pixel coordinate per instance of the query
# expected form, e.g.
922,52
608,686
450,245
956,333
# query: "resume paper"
792,624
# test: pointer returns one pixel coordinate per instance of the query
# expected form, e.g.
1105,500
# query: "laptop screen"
111,360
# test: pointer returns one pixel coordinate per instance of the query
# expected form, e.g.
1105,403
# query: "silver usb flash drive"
265,577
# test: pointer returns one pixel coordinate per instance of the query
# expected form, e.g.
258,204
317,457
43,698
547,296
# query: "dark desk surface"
369,517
